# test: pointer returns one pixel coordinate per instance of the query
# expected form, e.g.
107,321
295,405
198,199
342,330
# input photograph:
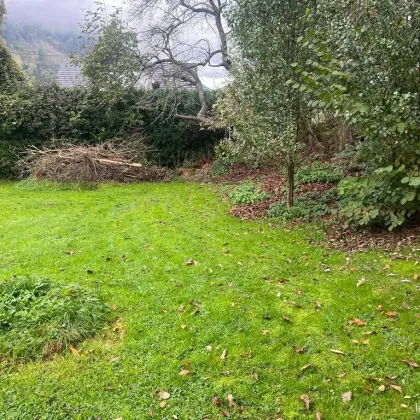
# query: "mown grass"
132,243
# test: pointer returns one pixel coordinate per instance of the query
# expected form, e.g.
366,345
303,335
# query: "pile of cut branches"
104,162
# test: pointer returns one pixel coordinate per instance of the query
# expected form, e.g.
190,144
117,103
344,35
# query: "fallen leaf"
342,374
296,305
163,395
337,352
299,292
265,332
74,351
232,402
191,262
224,354
183,326
209,348
114,359
416,276
318,305
255,375
357,321
361,281
306,366
216,400
287,319
386,267
318,416
299,349
391,313
347,396
410,363
181,308
396,388
365,341
391,378
184,372
162,404
382,388
226,413
306,400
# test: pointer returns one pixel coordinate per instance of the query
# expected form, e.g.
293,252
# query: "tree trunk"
290,184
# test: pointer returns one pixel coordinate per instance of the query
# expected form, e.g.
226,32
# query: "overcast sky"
65,15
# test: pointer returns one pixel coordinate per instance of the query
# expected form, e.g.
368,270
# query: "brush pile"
100,163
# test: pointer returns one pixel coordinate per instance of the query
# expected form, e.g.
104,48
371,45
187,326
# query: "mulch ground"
336,234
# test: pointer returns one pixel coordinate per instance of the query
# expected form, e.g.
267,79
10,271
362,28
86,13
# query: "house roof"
70,75
164,76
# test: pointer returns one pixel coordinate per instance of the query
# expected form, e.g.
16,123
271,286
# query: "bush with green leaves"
248,193
389,196
39,318
319,172
307,206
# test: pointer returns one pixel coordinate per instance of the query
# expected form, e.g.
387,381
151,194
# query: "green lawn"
131,244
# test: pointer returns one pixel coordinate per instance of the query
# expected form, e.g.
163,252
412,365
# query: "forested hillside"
39,52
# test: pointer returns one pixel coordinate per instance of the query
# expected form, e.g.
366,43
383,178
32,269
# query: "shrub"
388,196
307,206
248,193
38,318
319,172
220,168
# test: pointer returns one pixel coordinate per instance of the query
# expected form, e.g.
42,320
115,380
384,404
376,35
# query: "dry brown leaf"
216,401
342,374
181,308
347,396
391,313
163,395
183,326
226,413
365,341
299,349
114,359
306,367
318,416
296,305
337,352
396,388
382,388
306,400
162,404
318,305
232,402
265,332
224,354
74,351
410,363
287,319
357,321
255,375
184,372
416,276
299,292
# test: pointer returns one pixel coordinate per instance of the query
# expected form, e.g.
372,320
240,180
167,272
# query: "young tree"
267,113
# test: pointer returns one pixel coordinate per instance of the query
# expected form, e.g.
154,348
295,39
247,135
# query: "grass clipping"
38,318
104,162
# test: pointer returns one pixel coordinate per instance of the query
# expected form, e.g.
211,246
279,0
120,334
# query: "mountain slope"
40,52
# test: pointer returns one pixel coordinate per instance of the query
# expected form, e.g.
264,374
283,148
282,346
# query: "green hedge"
37,114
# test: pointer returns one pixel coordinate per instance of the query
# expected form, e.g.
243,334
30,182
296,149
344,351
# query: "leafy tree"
267,113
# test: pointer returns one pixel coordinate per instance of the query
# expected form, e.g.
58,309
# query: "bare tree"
184,36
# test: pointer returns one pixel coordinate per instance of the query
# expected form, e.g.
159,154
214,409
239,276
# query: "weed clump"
39,318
